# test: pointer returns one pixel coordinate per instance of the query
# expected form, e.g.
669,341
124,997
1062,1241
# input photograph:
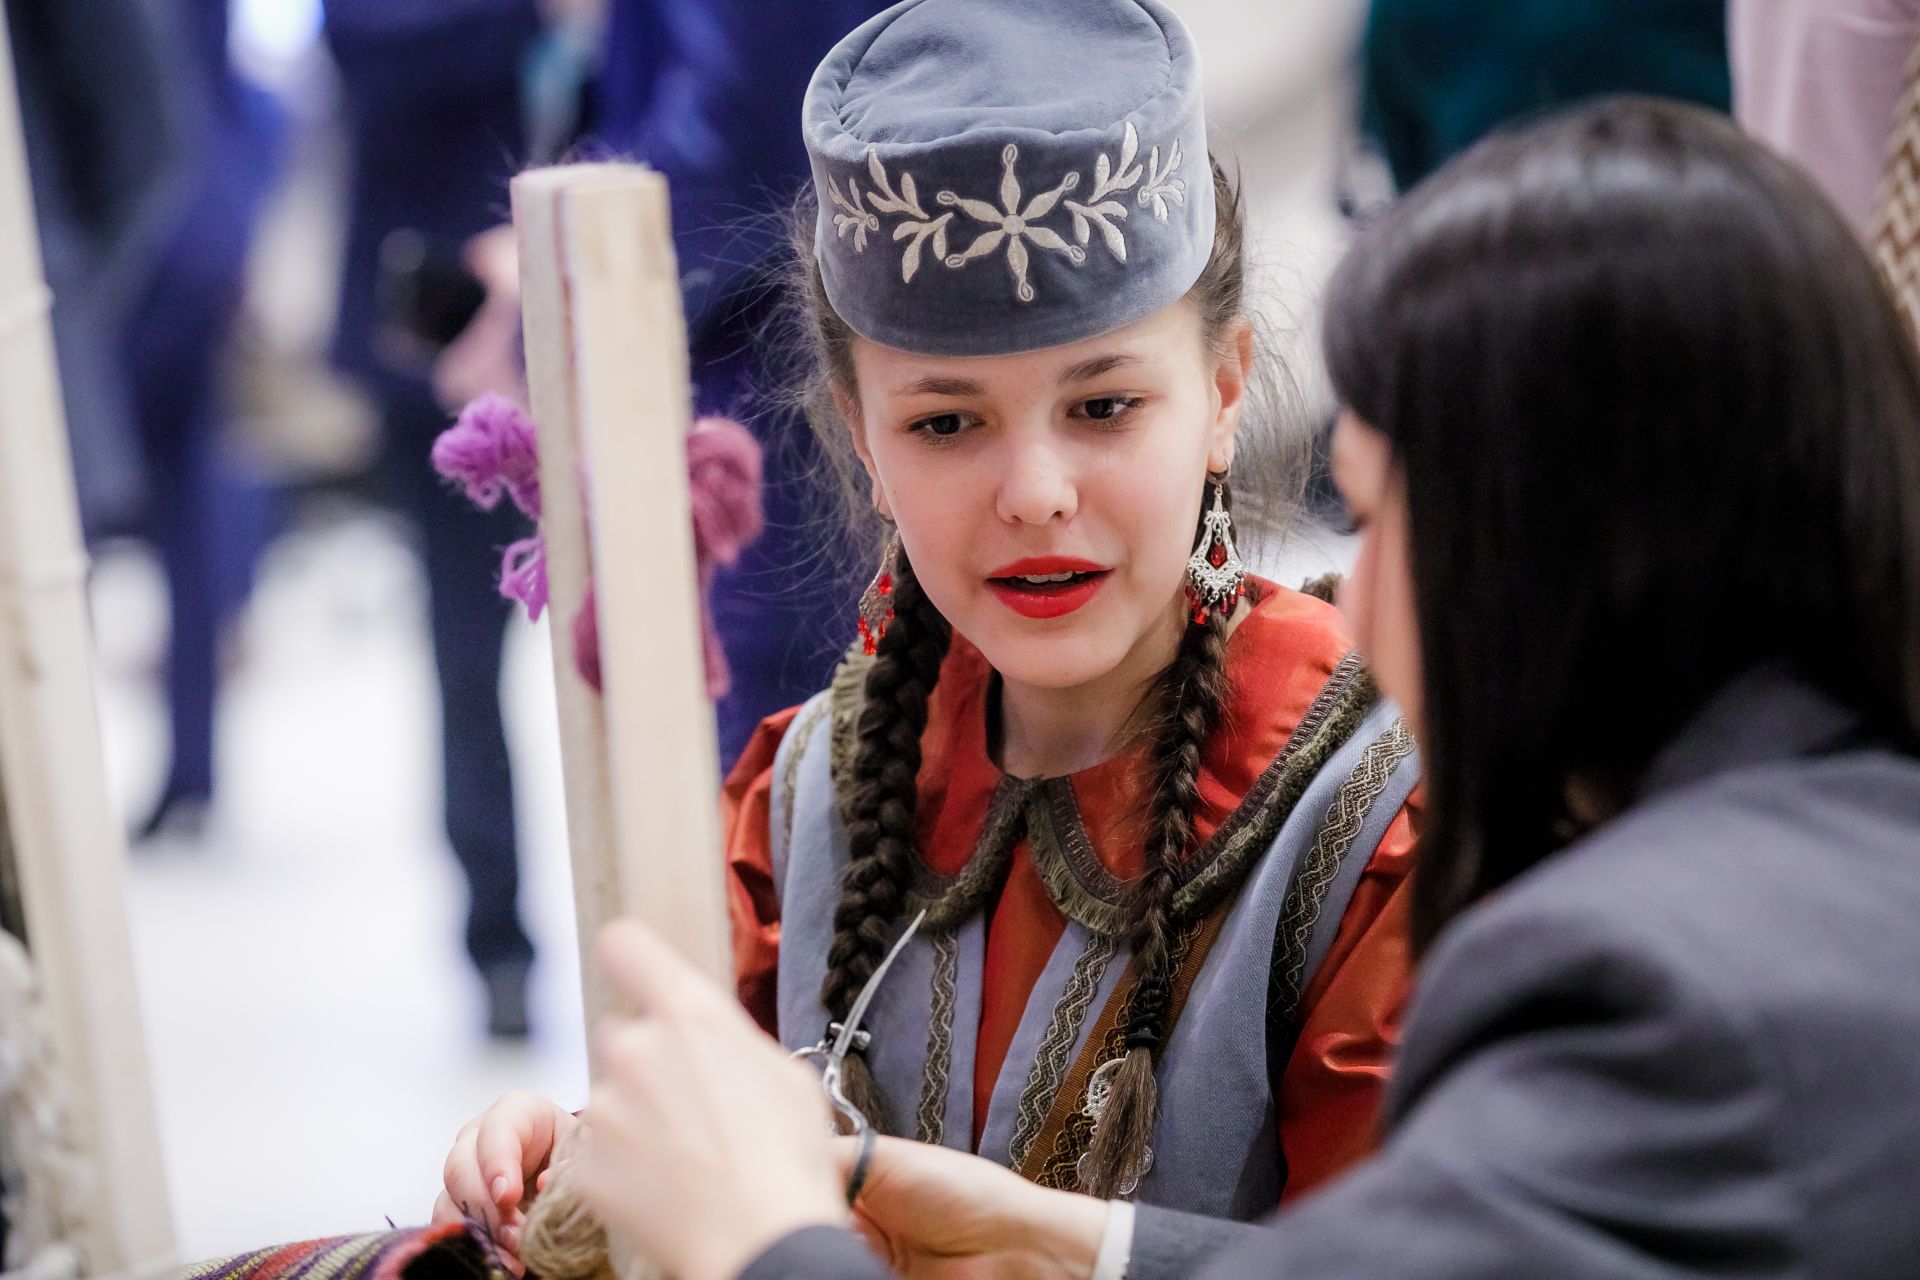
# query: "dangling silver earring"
876,602
1216,576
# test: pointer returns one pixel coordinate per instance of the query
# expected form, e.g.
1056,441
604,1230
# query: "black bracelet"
862,1161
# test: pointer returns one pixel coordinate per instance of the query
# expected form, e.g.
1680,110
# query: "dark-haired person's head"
1628,413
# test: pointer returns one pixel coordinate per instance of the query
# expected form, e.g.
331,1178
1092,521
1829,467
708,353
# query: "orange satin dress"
1278,658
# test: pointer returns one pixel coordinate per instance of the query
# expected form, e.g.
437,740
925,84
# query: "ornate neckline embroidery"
1015,223
1090,895
1045,811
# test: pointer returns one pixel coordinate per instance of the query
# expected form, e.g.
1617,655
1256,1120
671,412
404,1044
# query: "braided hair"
1193,694
881,805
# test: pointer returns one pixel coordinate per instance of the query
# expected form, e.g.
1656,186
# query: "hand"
709,1143
939,1214
498,1163
486,355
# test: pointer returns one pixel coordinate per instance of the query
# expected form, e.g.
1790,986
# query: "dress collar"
1288,664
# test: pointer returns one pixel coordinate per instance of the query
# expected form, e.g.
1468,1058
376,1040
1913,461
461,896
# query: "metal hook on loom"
846,1035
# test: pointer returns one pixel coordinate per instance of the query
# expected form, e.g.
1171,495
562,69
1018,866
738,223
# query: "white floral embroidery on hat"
1013,224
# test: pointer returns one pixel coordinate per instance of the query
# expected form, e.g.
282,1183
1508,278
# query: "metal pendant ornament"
1216,576
1099,1095
876,602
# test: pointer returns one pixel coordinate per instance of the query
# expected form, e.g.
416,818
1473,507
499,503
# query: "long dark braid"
1194,693
882,802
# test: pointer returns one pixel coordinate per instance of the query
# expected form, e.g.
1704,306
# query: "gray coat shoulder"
1766,897
1686,1046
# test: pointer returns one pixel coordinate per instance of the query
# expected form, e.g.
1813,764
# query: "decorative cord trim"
931,1122
1055,1054
1090,895
1339,829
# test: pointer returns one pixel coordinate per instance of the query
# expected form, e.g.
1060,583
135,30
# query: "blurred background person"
434,119
1835,86
206,511
1442,74
151,159
706,93
106,135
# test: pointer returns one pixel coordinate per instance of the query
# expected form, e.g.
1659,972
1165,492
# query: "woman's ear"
1233,370
849,410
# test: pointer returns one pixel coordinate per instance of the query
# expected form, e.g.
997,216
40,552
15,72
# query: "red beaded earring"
876,602
1216,576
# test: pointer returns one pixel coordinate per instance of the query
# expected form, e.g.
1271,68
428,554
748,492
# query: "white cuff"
1116,1243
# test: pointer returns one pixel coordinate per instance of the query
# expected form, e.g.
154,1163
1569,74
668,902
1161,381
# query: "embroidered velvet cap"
998,176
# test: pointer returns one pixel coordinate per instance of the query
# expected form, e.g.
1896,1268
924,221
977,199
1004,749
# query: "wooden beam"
607,369
65,837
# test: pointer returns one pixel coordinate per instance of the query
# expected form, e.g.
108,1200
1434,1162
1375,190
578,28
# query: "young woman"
1633,434
1152,809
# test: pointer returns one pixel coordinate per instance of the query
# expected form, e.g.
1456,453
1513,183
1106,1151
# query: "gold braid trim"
931,1121
1054,1056
1308,893
1091,896
803,730
1346,700
1053,1159
950,900
947,900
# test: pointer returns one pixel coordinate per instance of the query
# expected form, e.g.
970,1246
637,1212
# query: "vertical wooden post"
607,368
65,838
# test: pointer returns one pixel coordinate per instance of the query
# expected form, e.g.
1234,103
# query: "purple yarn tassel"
492,451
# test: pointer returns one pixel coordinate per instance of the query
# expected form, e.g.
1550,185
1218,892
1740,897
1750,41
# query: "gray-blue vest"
1259,907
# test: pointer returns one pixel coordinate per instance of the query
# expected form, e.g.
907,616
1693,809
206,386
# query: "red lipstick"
1075,583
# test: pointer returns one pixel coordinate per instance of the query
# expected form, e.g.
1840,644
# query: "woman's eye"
1106,408
942,425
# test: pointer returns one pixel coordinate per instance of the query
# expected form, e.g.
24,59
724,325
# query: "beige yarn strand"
562,1240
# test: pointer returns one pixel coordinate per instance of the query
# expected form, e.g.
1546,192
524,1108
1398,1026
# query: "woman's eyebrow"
939,386
1098,365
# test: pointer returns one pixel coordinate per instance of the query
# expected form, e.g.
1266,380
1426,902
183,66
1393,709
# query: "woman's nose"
1038,486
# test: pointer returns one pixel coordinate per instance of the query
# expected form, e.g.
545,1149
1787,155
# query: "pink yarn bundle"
492,451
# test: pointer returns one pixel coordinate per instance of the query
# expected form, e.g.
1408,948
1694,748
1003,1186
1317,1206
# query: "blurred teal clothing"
1442,74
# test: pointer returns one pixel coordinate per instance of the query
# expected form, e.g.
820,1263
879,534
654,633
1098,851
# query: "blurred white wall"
1281,94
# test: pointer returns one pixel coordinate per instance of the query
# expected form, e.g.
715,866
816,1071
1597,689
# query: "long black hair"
1658,423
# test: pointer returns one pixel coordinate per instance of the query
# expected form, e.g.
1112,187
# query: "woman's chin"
1059,658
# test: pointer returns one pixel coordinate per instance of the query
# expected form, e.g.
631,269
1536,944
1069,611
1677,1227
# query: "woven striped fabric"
1896,232
437,1253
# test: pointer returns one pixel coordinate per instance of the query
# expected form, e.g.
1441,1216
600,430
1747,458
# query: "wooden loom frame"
607,369
64,838
608,373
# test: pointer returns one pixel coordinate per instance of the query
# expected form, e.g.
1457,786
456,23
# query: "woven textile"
416,1253
1896,232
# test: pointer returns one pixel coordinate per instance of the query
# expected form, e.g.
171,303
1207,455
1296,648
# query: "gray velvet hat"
1004,175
